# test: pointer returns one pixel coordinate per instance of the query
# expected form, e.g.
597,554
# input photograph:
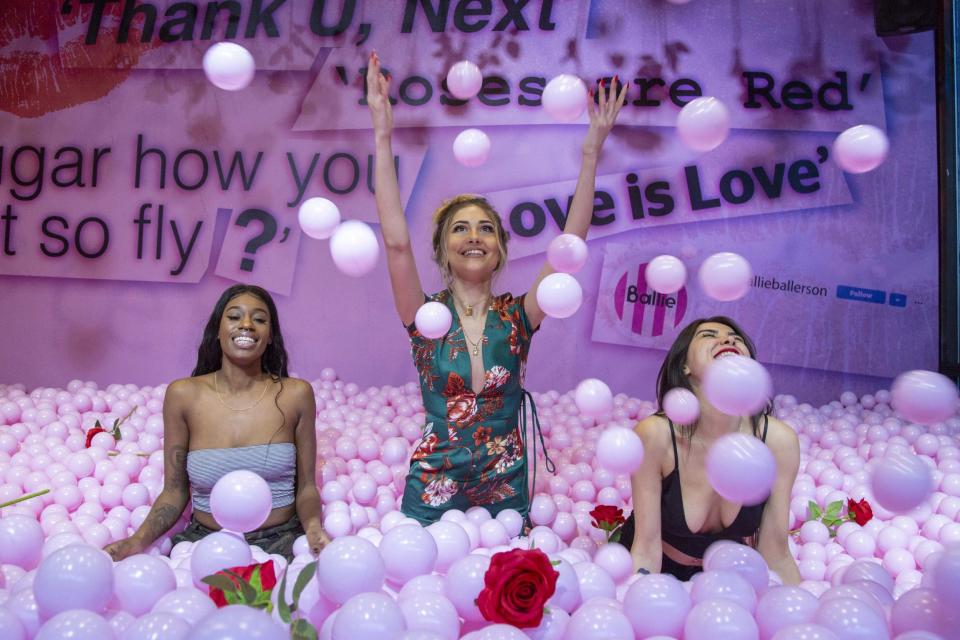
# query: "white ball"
703,123
318,217
354,248
559,295
464,80
565,98
861,148
433,320
228,66
593,397
471,147
666,274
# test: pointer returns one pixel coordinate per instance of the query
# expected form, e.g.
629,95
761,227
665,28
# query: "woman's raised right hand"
378,96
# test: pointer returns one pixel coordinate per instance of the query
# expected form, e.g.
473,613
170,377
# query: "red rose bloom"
605,514
516,587
268,580
93,432
860,511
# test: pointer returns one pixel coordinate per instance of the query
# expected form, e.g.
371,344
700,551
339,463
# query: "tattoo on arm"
160,519
177,462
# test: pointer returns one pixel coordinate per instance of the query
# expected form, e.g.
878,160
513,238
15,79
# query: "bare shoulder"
781,438
298,392
185,390
654,430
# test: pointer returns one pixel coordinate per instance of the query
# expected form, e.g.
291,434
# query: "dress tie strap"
527,400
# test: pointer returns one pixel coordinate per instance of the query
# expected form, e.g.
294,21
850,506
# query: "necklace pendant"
476,350
469,310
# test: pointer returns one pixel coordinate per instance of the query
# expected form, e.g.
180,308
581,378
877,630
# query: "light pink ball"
703,123
860,148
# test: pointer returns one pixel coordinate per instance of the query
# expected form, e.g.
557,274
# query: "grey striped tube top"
276,463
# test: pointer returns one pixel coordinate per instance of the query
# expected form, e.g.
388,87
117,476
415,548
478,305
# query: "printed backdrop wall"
132,191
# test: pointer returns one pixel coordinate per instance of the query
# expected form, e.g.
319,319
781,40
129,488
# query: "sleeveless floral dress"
472,451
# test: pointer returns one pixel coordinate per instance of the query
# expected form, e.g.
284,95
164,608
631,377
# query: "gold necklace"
467,308
220,398
475,346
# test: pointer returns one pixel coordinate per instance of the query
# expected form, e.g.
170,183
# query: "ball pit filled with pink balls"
386,576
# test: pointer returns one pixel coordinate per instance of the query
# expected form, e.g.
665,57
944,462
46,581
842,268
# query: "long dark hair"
671,373
210,355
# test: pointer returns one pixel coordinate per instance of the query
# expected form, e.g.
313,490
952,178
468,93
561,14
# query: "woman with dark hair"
239,410
677,514
473,449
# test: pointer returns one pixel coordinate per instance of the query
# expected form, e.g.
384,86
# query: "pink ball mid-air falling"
464,80
567,253
433,320
471,147
565,98
228,66
559,295
860,148
703,123
725,276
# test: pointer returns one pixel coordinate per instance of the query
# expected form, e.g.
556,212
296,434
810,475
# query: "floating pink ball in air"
666,274
471,147
737,385
567,253
565,98
924,397
725,276
241,501
703,124
464,80
741,468
681,406
433,320
354,248
318,218
861,148
228,66
559,295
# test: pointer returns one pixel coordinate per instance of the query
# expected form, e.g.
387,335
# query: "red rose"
860,511
605,514
516,587
97,429
268,580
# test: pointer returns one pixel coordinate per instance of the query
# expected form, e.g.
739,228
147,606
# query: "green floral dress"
472,451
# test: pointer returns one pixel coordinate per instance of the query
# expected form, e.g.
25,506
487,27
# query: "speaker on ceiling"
897,17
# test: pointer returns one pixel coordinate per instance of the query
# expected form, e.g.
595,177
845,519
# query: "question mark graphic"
266,234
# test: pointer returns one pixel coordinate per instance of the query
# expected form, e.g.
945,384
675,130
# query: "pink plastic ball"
354,248
619,450
471,147
559,295
737,385
433,320
240,501
681,406
924,397
228,66
741,468
725,276
565,98
860,148
567,253
703,123
318,217
900,481
464,80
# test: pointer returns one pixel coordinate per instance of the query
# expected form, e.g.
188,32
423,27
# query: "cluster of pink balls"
385,576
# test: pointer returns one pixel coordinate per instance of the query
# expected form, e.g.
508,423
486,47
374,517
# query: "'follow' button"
859,294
